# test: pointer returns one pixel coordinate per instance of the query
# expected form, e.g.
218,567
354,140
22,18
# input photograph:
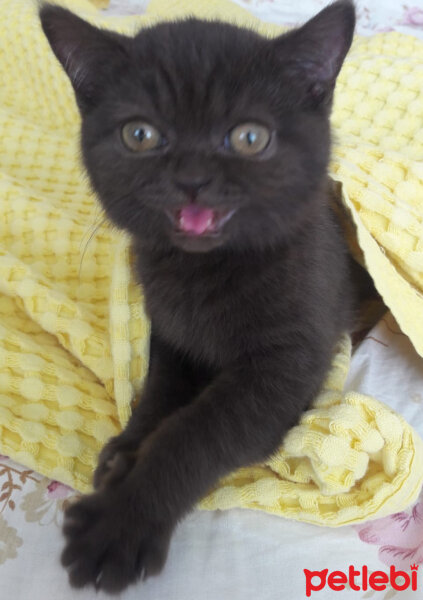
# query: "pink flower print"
385,29
58,490
399,537
413,16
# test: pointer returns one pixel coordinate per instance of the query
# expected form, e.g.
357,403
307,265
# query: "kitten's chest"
207,312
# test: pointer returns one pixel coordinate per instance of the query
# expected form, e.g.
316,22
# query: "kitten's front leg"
171,383
239,419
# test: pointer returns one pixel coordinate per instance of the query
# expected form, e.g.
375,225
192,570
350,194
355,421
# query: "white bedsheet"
241,554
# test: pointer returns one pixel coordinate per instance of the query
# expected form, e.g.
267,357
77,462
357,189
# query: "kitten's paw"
115,461
110,544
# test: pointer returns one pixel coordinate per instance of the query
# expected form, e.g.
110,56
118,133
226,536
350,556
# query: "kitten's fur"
243,324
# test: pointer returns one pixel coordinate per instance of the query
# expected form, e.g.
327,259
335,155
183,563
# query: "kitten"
210,145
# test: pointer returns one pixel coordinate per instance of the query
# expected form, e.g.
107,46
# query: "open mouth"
199,221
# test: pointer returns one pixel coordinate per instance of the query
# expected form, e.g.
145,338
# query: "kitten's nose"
192,185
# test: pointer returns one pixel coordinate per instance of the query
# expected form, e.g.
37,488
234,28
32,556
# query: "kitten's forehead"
198,66
196,43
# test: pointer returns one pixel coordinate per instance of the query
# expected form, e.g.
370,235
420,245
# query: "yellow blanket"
73,335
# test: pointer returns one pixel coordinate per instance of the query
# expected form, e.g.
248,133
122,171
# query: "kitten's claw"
97,582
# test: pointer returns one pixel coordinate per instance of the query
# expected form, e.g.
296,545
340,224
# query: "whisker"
98,214
96,227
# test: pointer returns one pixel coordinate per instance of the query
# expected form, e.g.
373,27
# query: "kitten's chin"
197,244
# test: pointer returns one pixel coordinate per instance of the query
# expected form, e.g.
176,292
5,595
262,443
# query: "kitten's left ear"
90,56
314,53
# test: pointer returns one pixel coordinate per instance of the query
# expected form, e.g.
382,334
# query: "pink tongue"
195,219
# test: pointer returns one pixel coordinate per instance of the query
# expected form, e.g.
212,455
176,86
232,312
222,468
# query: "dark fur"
243,325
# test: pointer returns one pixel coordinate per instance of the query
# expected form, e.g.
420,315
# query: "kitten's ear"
315,52
90,56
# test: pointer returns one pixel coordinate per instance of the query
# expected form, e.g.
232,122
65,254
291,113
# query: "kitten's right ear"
90,56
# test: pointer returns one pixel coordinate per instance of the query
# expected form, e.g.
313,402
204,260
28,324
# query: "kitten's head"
200,134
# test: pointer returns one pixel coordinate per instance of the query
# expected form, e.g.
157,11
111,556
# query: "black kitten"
210,145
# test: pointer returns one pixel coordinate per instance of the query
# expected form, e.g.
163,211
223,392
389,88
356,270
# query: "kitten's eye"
248,138
140,136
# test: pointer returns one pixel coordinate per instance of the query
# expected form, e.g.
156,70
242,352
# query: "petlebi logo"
360,580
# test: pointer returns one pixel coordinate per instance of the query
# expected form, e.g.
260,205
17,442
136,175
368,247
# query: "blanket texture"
73,334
